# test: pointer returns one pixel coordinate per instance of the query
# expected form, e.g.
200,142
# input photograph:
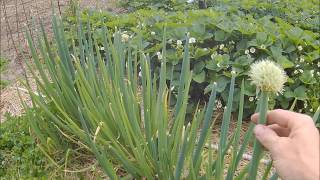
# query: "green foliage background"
224,35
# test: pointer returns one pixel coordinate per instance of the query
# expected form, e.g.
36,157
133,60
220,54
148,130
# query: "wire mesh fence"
17,16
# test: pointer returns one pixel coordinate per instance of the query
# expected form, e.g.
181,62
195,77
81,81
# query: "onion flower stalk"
269,79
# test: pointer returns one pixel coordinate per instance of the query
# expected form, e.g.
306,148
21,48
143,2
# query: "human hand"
293,141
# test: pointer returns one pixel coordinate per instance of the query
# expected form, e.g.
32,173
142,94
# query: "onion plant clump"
100,105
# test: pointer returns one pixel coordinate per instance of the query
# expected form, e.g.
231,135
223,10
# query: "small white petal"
192,40
252,50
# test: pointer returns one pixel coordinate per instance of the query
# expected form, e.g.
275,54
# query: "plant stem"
257,151
293,104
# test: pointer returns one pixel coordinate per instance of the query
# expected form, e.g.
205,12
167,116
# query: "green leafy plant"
222,39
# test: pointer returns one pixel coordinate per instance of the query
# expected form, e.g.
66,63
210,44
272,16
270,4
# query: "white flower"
263,46
213,55
318,64
153,33
252,50
251,99
267,76
300,70
170,41
246,51
221,46
305,105
205,49
300,48
218,104
102,48
231,42
318,73
190,1
159,55
179,42
298,65
295,72
301,59
192,40
311,110
124,37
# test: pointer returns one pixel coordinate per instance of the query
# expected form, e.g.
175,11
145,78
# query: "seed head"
268,76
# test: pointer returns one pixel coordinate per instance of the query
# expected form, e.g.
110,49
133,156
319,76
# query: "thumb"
266,136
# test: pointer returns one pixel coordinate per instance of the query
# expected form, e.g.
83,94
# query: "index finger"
284,118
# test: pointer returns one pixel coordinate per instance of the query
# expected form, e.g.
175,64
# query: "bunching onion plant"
91,99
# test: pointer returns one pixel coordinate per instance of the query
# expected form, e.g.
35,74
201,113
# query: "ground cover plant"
3,68
221,38
19,155
105,99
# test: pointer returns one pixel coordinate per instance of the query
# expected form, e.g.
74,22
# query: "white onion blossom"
267,76
124,37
